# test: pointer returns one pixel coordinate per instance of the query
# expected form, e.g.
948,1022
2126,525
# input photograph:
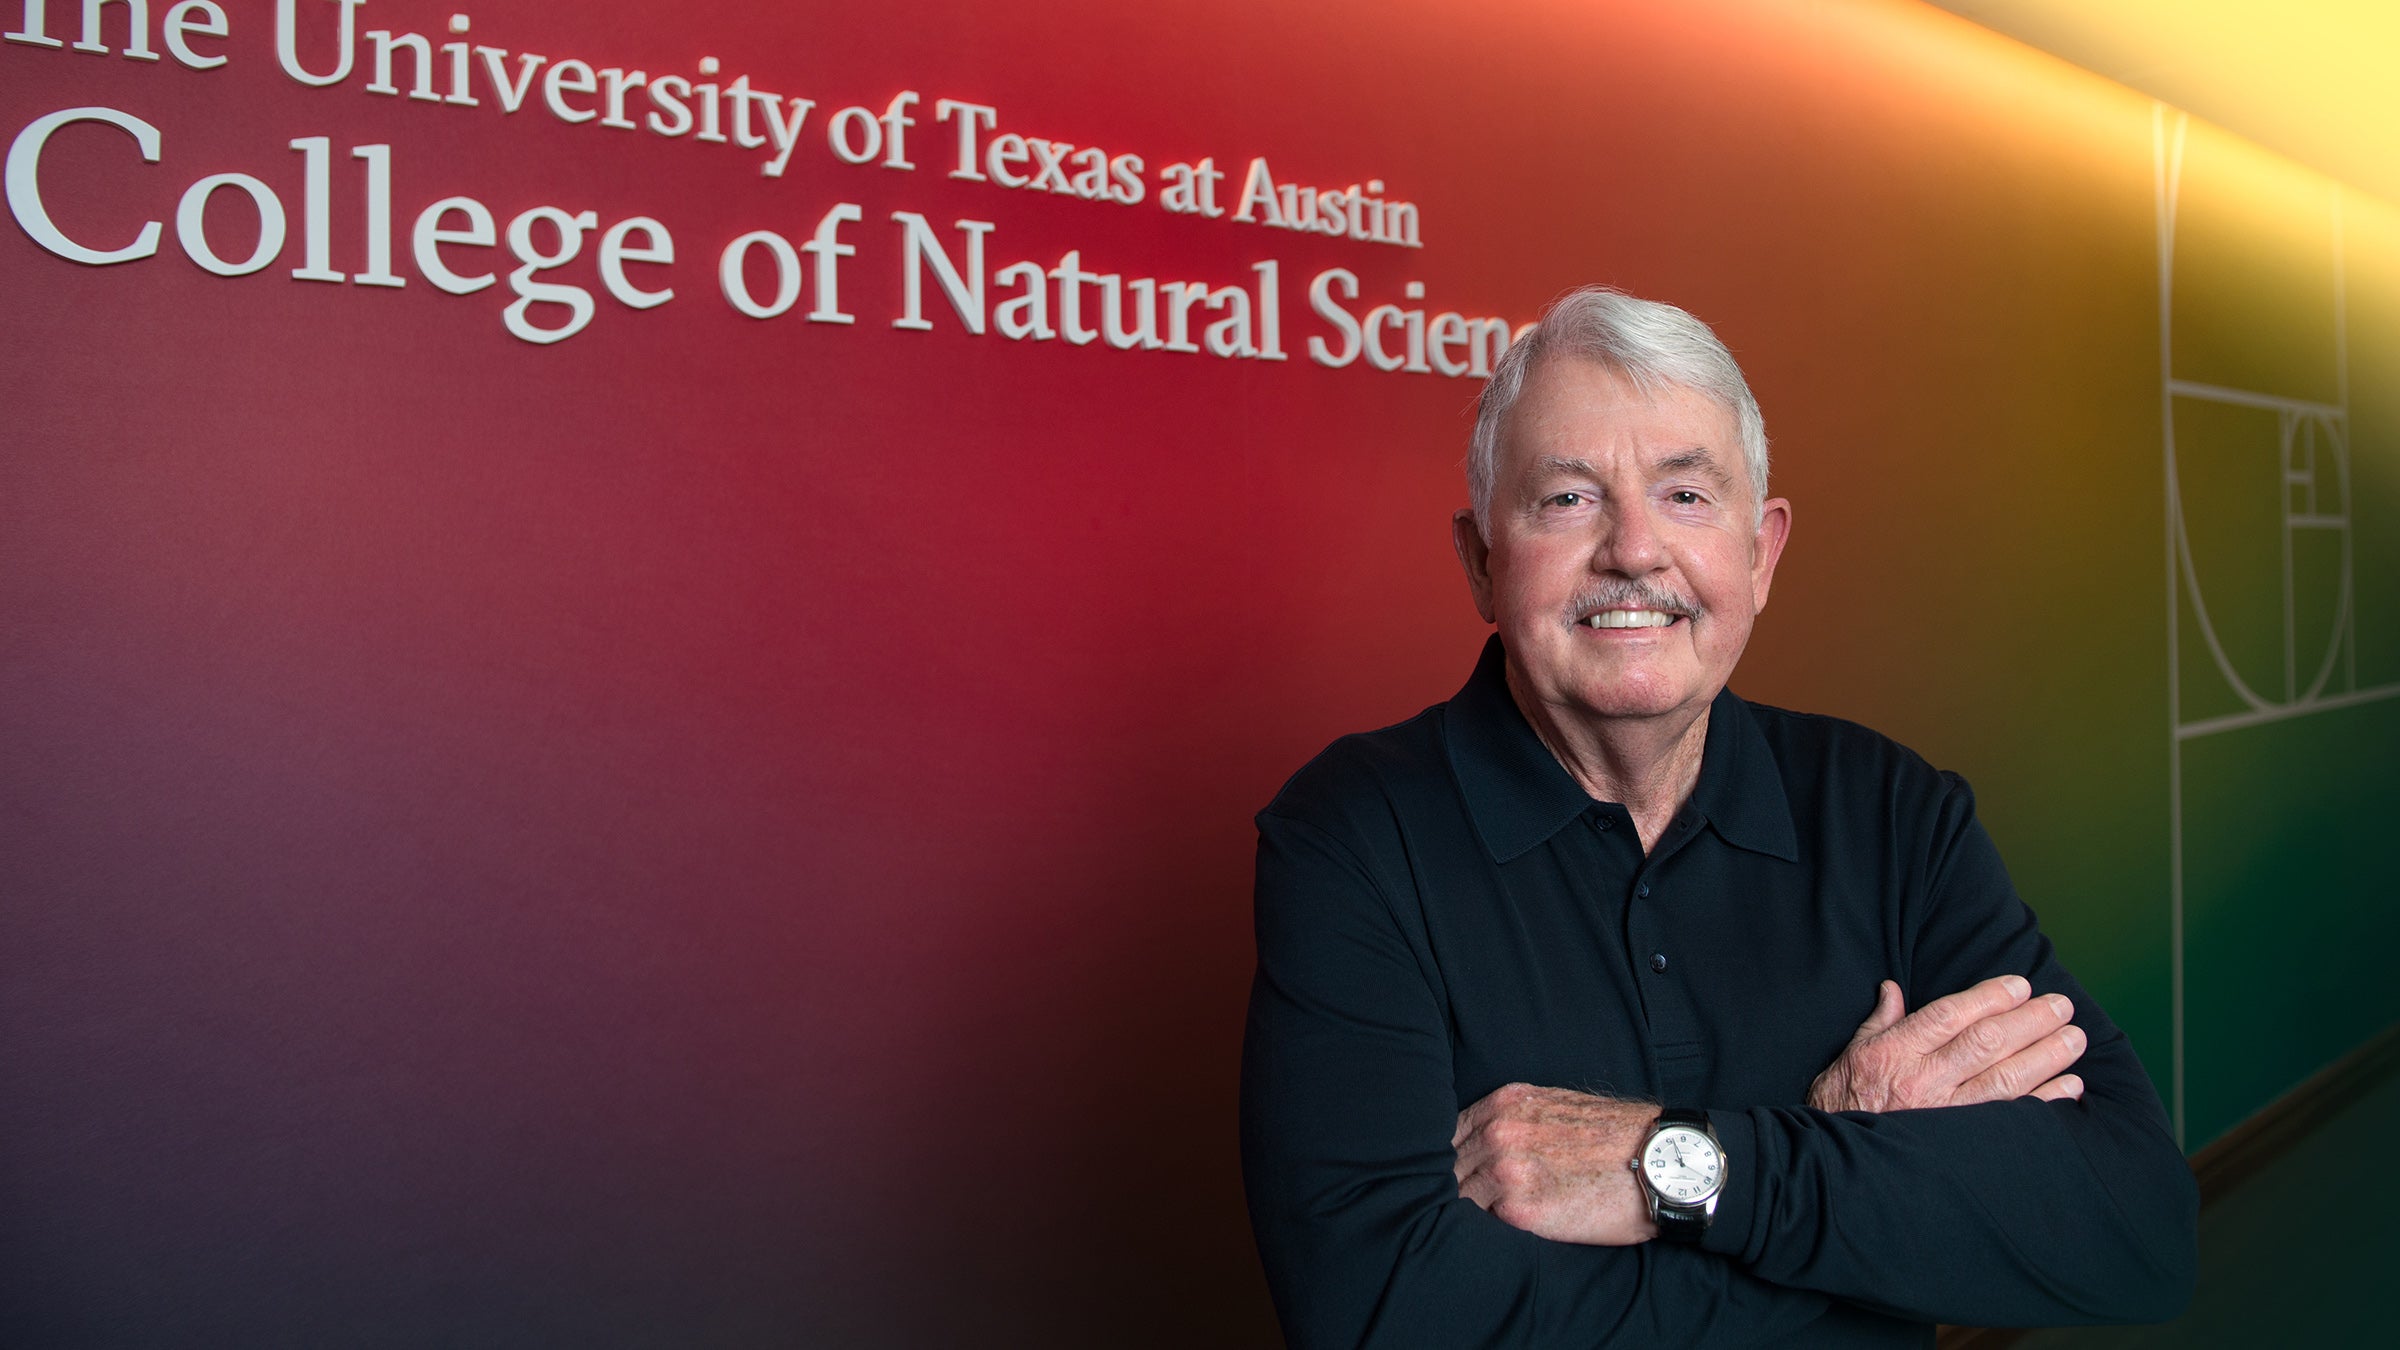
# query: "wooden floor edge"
2233,1157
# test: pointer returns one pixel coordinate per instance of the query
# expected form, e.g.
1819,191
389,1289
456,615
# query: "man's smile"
1631,618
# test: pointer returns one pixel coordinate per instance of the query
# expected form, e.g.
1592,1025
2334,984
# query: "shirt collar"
1519,794
1740,793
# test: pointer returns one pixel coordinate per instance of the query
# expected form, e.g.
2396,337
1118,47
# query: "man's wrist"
1643,1126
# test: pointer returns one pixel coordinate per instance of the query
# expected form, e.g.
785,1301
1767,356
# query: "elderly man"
1556,1035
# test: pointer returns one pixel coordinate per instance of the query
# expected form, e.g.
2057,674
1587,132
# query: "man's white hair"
1653,345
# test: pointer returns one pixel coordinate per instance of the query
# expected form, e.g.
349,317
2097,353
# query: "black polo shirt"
1443,911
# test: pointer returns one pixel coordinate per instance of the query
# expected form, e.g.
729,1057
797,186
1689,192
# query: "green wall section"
2288,897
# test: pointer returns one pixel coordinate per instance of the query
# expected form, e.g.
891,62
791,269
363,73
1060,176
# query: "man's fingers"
2017,1076
1992,1041
1938,1023
2065,1088
1889,1009
1479,1187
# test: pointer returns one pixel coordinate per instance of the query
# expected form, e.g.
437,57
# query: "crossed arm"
1553,1161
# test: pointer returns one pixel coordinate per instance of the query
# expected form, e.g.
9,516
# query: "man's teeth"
1631,618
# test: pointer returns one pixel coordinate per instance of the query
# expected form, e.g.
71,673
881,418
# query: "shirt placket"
1662,969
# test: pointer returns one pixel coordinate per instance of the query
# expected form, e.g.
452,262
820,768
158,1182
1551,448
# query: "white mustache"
1630,594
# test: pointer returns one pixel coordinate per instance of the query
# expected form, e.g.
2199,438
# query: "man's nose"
1629,542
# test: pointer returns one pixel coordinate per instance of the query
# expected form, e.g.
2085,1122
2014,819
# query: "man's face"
1633,510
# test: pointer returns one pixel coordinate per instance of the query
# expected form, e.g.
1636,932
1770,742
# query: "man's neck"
1649,765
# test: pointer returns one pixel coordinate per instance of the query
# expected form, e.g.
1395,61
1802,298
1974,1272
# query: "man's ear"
1766,549
1476,557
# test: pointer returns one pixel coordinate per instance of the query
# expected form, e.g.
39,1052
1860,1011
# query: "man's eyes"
1571,499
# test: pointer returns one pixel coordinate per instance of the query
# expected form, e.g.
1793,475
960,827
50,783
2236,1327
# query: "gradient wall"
731,830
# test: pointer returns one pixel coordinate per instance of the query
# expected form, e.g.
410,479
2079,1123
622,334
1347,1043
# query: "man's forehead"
1571,388
1576,413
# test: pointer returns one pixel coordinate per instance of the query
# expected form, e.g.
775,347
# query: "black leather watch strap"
1677,1224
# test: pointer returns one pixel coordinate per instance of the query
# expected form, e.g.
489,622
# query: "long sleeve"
1348,1106
2019,1213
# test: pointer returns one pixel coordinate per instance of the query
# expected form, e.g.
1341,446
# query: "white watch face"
1683,1165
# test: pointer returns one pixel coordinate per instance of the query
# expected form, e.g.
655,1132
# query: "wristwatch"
1682,1168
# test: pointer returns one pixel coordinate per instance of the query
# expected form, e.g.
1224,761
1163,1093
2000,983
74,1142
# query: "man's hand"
1555,1163
1987,1044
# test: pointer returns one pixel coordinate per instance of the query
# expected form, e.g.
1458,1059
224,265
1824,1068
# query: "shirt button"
1658,962
1607,824
1642,890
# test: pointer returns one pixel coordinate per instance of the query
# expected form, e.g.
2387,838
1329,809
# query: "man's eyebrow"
1697,459
1556,466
